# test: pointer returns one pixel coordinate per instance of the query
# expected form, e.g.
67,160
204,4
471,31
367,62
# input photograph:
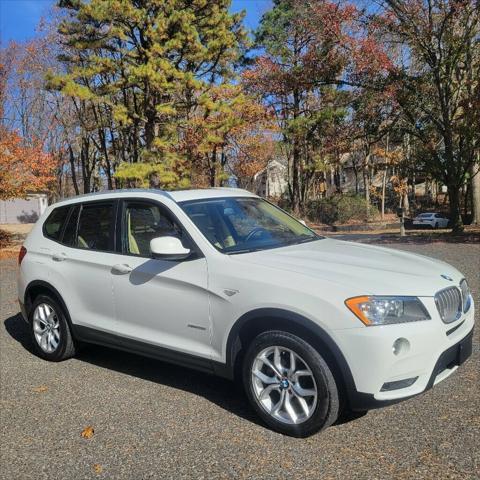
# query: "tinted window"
144,221
54,223
95,227
70,233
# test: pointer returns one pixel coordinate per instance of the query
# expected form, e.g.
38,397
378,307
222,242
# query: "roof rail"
120,190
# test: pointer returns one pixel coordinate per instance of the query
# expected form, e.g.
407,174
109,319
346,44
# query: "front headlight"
380,310
466,295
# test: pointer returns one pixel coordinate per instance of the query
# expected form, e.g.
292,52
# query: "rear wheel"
50,330
289,384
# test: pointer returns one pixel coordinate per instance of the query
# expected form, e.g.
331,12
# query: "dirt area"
17,234
17,230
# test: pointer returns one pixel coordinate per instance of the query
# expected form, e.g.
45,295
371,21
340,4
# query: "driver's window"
143,222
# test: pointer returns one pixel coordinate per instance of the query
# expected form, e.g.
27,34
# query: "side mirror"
168,248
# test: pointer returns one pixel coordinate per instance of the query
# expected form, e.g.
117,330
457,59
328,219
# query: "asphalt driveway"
153,420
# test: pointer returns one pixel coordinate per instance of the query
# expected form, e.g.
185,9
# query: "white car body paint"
431,220
191,307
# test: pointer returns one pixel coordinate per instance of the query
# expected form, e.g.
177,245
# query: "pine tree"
150,64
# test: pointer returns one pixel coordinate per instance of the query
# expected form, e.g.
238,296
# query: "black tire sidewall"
59,353
326,411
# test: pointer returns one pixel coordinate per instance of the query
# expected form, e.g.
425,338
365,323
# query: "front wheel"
289,384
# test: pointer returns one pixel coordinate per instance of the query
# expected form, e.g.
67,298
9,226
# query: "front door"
159,302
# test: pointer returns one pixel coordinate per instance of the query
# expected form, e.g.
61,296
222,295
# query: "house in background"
23,210
271,182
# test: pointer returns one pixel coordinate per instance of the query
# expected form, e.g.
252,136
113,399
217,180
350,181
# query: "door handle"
59,257
121,269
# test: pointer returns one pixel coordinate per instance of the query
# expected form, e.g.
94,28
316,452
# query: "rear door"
83,260
160,302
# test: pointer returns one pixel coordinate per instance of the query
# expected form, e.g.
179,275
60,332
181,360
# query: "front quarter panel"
238,288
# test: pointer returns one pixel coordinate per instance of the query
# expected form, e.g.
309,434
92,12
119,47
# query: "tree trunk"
355,172
74,173
475,192
384,177
455,218
295,194
366,183
406,203
384,183
213,168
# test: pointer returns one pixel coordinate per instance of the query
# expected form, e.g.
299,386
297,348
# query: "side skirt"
97,337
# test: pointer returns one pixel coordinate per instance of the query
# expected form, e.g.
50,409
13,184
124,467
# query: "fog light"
408,382
400,346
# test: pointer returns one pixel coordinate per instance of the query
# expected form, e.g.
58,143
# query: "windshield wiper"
297,241
302,240
247,250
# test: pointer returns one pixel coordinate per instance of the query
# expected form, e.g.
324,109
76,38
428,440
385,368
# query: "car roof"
204,193
175,195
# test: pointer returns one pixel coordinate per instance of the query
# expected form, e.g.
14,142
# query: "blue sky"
19,18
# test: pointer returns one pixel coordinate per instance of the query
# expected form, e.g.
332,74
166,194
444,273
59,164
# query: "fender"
295,323
43,285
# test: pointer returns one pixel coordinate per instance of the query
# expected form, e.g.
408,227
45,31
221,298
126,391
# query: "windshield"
241,225
425,215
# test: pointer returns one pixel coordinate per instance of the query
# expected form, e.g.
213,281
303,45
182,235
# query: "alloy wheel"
46,327
284,385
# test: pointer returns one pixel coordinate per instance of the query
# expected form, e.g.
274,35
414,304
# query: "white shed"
23,210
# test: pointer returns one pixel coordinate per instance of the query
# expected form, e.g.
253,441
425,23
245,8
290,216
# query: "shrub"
339,209
5,239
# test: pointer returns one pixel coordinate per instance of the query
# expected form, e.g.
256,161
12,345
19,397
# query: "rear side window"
96,227
52,227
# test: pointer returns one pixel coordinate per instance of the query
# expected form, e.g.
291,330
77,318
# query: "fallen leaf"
87,432
97,468
40,389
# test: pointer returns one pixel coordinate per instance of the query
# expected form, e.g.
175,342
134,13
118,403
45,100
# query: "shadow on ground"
226,394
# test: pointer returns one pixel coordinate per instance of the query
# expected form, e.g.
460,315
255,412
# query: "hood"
361,269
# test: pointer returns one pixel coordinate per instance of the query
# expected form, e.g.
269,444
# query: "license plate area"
455,356
464,349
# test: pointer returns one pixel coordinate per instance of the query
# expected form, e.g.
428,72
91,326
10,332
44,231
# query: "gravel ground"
152,420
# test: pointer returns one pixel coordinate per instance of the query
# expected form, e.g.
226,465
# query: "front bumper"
435,352
446,364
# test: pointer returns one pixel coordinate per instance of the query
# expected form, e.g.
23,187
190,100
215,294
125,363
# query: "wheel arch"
249,325
41,287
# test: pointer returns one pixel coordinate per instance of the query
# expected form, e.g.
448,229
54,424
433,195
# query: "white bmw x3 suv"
225,282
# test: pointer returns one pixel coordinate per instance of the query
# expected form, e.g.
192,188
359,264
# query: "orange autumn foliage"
23,168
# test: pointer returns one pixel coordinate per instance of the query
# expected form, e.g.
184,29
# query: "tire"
316,376
46,310
436,226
